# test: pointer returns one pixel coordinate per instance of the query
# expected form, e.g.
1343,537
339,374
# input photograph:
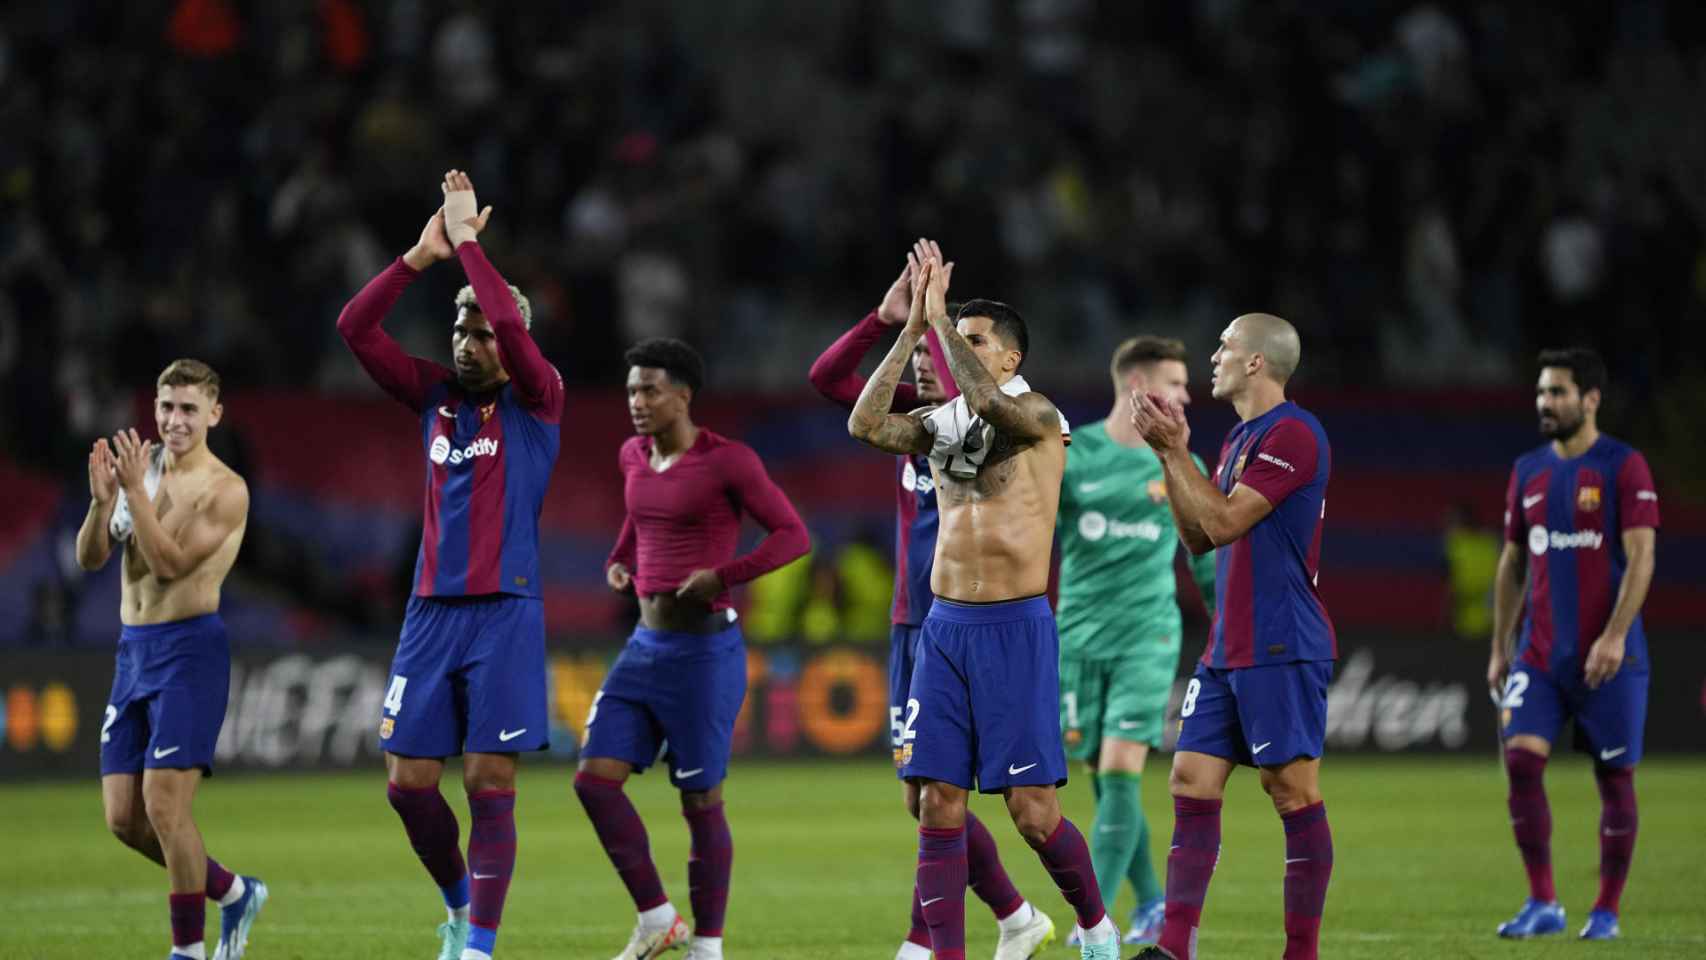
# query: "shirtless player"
179,514
984,706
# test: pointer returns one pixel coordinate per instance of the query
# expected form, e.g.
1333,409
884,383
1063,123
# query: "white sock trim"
238,888
195,951
912,951
658,917
1018,918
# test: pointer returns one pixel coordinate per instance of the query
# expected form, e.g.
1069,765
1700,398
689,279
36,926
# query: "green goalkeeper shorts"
1125,698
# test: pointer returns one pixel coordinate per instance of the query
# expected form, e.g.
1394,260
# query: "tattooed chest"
993,478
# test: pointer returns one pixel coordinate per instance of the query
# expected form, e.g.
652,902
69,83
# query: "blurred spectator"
1472,560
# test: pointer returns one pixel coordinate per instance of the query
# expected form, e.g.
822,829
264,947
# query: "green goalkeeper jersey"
1117,540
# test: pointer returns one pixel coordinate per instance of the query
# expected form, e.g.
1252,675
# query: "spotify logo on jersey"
1537,540
1092,526
440,450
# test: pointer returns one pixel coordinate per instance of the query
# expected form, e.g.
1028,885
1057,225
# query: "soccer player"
983,708
180,514
1023,929
1119,616
1584,509
1259,696
681,677
469,674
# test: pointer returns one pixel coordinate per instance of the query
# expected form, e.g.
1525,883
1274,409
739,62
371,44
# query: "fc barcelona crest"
385,727
1238,467
1587,499
1158,491
487,410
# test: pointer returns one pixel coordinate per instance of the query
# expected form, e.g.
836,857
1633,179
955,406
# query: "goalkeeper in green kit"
1119,617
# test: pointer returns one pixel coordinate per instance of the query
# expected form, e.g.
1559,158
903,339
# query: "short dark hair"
1004,321
672,356
1583,363
1146,349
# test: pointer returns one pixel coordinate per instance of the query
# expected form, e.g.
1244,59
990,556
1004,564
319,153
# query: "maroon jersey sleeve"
758,495
835,374
404,377
537,383
1513,511
1282,462
1638,499
626,551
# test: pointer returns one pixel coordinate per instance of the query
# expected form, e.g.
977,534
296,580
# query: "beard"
1561,427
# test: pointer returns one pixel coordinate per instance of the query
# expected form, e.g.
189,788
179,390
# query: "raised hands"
897,303
131,465
103,476
929,276
1161,421
461,221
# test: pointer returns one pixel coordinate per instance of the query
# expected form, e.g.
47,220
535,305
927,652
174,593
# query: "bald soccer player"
983,708
1259,696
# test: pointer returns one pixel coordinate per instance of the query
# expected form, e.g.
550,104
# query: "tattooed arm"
1029,417
871,420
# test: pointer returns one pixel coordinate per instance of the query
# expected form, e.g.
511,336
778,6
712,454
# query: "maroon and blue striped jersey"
1570,515
488,455
1267,606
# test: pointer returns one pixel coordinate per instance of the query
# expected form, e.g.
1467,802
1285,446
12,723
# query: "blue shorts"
1610,721
1264,716
168,699
674,695
903,647
984,707
469,674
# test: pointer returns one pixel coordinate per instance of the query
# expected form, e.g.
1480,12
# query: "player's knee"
126,825
1182,781
166,814
942,806
692,800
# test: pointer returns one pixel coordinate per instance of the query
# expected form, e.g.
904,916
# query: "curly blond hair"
465,299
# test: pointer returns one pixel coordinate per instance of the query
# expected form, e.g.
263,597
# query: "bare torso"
184,498
666,611
997,529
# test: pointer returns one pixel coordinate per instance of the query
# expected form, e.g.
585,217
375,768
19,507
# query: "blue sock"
482,939
456,895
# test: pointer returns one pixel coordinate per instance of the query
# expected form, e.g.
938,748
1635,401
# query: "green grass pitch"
823,864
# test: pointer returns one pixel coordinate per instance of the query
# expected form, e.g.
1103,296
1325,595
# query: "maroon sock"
942,889
1190,866
708,867
432,830
920,932
619,829
1067,859
1308,866
984,872
189,914
1531,818
1617,823
491,855
219,879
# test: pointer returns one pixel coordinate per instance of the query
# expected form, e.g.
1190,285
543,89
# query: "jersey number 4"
394,696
